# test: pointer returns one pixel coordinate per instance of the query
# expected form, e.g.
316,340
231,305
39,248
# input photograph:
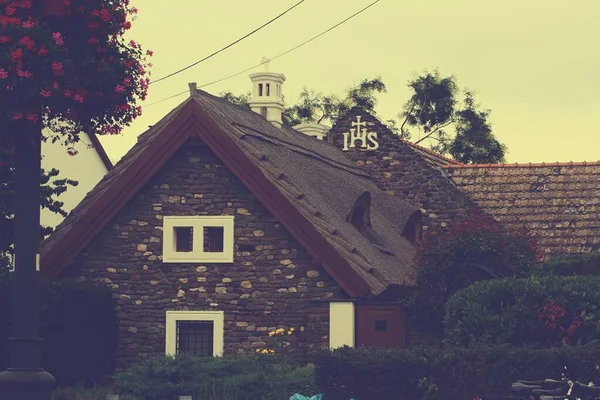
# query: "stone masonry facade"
272,283
401,171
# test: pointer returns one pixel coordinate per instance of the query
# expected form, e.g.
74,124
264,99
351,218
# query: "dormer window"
413,229
360,217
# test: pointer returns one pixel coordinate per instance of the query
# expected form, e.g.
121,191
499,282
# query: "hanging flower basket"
74,73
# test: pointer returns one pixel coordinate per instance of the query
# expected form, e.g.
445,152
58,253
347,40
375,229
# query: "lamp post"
25,379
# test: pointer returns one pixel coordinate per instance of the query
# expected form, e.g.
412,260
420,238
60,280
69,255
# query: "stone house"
219,226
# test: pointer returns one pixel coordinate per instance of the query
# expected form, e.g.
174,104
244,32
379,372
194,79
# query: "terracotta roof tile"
558,202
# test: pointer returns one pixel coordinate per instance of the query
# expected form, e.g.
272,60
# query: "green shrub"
230,378
581,264
450,373
78,325
547,311
476,249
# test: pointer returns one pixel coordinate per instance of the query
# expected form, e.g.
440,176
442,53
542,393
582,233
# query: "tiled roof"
558,202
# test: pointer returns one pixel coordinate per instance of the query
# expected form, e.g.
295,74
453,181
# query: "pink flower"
133,44
149,53
67,93
16,55
17,116
32,116
4,39
78,98
24,74
43,51
58,39
127,81
26,4
120,89
45,93
29,24
55,85
57,68
3,74
127,25
27,42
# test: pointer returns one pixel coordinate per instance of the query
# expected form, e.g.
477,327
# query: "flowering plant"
280,338
560,326
66,64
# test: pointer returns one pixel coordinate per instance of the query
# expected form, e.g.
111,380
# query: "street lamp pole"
25,378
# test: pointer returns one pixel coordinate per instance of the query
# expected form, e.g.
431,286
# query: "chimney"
315,130
267,97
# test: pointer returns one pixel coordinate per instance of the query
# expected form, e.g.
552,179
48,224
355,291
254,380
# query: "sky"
534,63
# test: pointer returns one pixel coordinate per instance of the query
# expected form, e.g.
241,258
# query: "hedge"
232,378
546,311
450,373
78,325
581,264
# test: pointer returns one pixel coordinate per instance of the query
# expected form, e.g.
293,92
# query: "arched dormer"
359,215
413,228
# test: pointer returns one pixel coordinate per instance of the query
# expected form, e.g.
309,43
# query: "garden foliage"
548,311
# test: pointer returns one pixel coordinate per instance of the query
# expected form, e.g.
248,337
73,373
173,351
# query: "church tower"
267,97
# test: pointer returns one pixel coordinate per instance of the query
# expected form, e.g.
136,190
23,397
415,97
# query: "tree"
476,249
433,114
433,111
51,188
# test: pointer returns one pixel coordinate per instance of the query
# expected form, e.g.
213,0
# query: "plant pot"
55,8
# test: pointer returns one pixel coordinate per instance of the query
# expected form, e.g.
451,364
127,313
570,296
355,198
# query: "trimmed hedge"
232,378
581,264
78,325
509,311
451,373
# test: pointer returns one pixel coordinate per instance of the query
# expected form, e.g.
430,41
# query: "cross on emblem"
368,140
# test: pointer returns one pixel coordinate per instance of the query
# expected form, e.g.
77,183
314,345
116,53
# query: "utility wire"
273,58
230,44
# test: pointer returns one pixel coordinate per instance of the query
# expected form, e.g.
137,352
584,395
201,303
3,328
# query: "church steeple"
267,97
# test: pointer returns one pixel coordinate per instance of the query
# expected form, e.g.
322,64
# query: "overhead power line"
273,58
230,44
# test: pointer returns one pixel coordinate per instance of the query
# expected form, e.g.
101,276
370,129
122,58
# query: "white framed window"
198,239
199,333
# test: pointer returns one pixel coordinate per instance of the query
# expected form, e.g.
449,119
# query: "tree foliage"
51,188
435,115
476,249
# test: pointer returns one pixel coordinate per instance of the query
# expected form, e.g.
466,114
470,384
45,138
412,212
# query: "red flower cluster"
555,319
75,73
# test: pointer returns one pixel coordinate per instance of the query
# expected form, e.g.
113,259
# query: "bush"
548,311
474,250
451,373
581,264
78,325
232,378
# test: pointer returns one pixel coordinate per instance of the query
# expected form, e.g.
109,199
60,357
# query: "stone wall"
405,172
272,283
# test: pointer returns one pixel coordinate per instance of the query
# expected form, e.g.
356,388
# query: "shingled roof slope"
317,179
559,203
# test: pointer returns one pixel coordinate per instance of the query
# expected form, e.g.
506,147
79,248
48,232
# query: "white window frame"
198,223
172,317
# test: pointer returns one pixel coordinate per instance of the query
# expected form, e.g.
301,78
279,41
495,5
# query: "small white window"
198,239
198,333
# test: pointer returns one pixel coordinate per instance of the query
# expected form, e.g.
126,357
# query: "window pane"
195,338
184,238
213,239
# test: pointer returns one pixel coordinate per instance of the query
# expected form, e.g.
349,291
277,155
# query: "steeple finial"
265,61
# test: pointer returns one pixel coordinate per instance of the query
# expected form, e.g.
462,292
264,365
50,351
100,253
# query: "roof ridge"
430,152
523,165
